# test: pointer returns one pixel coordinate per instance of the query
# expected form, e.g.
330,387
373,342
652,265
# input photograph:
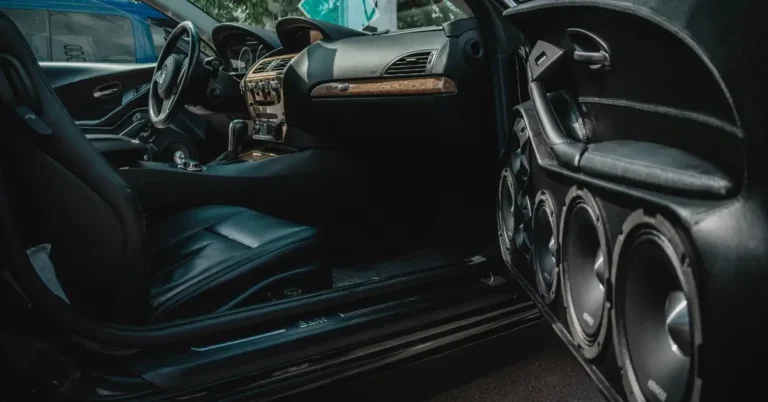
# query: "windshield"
368,15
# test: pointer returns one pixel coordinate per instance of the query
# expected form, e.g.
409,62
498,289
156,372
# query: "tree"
261,13
265,13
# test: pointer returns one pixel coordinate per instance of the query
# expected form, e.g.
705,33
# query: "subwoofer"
514,204
656,319
585,260
513,218
545,246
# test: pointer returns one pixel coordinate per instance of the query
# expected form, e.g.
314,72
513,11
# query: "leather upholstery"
78,203
645,164
64,193
203,258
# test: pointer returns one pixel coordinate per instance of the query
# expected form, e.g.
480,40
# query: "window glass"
158,38
389,15
34,25
103,31
91,37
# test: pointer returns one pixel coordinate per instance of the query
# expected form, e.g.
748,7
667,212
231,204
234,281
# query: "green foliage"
425,13
264,13
261,13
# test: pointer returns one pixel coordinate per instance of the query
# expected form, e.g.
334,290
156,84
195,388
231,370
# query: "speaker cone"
656,315
585,265
545,241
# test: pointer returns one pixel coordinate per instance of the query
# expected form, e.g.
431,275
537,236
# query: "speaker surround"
505,214
545,246
657,326
585,265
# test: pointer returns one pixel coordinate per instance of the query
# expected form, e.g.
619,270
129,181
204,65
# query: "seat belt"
8,99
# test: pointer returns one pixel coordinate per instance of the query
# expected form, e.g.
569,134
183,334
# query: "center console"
263,91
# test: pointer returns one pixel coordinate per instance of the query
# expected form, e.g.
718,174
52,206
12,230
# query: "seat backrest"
64,193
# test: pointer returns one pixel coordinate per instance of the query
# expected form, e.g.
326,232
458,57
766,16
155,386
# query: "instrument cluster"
243,51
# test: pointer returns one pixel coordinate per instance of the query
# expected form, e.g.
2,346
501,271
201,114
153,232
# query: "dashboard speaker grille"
415,63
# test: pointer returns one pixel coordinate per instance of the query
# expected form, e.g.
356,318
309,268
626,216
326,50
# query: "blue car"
84,30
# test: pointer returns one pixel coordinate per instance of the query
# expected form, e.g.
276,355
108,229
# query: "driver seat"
110,264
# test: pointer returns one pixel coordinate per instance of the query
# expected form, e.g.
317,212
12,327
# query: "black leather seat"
209,256
109,263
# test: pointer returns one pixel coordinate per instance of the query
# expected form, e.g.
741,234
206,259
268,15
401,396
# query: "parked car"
108,31
270,203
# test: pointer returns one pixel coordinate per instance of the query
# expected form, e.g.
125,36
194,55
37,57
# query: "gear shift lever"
238,129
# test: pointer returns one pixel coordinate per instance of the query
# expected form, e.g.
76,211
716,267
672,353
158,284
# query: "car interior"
262,210
350,176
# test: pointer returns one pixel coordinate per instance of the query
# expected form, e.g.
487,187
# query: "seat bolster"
218,254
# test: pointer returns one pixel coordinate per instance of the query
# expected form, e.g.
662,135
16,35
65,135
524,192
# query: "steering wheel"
172,75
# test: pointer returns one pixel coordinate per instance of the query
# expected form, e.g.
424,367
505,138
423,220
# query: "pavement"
529,366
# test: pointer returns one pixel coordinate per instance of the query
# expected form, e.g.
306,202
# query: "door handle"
595,58
106,90
589,48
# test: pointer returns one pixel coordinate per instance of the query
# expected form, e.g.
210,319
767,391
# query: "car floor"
528,365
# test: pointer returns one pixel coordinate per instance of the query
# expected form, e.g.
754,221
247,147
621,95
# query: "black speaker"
585,268
545,246
657,326
513,218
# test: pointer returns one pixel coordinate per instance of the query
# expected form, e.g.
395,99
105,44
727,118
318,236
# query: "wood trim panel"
385,87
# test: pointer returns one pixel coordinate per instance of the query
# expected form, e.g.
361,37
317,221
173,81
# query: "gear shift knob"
238,129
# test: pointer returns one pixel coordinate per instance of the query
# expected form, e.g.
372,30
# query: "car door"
99,56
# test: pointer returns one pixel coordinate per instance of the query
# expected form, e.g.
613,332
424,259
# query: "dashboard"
323,82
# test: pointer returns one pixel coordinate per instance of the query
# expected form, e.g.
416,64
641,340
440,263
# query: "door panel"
78,84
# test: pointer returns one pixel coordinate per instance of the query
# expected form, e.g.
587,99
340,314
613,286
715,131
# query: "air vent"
280,64
411,64
263,66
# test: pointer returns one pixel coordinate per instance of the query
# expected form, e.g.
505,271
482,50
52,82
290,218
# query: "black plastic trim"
122,339
567,152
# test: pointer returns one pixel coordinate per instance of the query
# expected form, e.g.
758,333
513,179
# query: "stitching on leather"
666,110
175,301
719,182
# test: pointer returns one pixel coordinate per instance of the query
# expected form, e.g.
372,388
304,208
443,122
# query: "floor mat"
409,263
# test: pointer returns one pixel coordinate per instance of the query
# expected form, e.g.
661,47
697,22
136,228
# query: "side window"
90,37
34,25
90,31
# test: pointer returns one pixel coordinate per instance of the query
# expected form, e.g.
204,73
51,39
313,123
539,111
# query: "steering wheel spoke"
167,104
173,74
184,68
